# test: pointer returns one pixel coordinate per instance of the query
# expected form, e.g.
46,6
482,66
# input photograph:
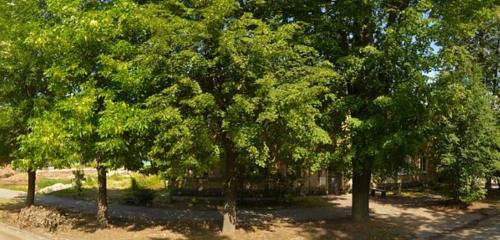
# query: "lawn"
21,185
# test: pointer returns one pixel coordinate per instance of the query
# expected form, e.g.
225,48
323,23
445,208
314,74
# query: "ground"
414,215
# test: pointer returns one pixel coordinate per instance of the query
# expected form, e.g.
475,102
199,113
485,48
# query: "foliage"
91,117
23,88
467,139
189,86
235,81
79,177
464,101
139,195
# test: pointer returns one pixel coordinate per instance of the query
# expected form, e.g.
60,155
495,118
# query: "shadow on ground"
293,223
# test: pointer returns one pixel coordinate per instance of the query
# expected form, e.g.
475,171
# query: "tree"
475,26
23,87
467,138
382,50
230,91
92,46
46,143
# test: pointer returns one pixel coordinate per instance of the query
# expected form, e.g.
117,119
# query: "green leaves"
307,84
47,143
244,78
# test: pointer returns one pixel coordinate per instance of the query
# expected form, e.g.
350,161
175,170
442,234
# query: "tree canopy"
189,86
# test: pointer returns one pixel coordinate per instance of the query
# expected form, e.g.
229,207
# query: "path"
424,222
486,229
11,233
170,214
429,223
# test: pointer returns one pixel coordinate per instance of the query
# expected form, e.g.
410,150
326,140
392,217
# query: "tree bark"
30,197
229,210
360,194
102,196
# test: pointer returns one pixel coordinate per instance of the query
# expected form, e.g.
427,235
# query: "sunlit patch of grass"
13,186
416,193
42,183
118,181
47,182
86,194
150,181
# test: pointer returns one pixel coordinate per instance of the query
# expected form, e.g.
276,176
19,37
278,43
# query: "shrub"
139,195
37,216
79,177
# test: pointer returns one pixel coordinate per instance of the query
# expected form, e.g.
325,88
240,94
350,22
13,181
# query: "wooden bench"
382,192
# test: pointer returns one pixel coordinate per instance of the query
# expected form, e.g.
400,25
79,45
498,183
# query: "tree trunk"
102,196
360,194
30,197
229,211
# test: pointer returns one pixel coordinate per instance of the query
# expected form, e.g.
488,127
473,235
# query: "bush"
37,216
139,195
462,187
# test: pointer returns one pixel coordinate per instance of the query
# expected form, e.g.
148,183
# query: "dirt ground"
392,218
81,226
411,216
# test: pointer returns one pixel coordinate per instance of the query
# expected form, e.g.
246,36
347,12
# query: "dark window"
423,163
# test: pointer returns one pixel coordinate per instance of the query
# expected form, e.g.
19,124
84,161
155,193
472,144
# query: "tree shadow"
329,221
433,217
425,201
188,229
13,205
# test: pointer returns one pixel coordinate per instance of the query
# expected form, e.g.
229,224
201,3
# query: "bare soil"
392,218
82,226
411,216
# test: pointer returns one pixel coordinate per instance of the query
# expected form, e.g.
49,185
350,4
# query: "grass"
42,183
22,186
13,186
118,188
47,182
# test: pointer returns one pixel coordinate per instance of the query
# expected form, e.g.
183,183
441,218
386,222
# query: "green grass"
87,194
13,187
43,183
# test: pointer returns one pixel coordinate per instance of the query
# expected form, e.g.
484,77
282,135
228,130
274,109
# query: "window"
423,163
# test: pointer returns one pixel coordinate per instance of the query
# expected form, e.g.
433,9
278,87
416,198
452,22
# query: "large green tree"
382,49
24,89
472,28
230,91
91,78
466,133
